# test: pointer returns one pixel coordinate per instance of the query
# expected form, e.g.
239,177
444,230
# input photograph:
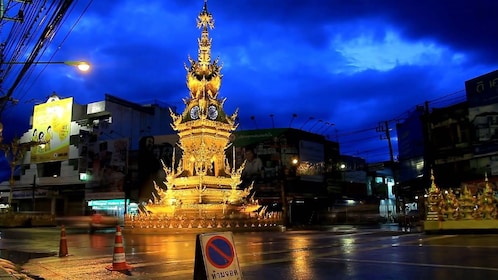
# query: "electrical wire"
349,139
46,33
49,24
25,89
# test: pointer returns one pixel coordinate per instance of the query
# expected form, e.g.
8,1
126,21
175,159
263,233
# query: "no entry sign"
216,257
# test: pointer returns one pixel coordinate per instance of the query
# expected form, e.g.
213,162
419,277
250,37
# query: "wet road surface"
335,253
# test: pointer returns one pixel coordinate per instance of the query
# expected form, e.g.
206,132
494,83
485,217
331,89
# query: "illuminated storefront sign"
51,126
311,166
113,206
107,203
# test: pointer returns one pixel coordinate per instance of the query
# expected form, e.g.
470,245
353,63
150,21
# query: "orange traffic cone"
63,243
118,258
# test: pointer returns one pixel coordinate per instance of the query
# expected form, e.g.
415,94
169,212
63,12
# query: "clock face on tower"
212,112
194,112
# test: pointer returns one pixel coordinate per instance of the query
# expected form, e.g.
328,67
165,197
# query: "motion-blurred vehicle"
353,211
99,221
93,222
410,219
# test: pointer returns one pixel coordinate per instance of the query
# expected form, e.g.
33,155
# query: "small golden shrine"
448,211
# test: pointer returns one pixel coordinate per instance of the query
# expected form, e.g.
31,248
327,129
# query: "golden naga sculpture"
486,202
450,206
467,204
434,200
447,206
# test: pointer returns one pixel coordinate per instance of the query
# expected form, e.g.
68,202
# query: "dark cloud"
351,63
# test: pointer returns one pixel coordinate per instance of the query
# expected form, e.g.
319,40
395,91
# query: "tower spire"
204,20
204,75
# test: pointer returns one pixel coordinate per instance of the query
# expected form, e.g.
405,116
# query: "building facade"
457,143
85,159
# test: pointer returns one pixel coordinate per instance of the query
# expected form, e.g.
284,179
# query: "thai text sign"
216,257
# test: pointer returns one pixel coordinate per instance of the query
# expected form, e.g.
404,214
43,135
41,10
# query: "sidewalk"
8,270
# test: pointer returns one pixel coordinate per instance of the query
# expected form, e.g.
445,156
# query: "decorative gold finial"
434,187
205,18
204,76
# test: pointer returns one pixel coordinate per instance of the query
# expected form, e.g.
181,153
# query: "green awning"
250,137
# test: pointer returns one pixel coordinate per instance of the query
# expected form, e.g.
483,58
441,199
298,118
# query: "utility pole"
46,35
384,128
386,134
33,193
428,162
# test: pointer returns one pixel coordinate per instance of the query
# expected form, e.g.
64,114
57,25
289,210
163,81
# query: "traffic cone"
63,243
118,258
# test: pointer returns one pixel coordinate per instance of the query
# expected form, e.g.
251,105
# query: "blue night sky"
353,64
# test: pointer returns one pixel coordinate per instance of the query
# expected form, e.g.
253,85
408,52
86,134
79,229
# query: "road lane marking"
412,264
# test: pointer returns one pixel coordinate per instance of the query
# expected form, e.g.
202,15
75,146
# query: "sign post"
216,257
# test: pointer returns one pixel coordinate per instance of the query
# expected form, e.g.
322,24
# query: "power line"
31,40
26,88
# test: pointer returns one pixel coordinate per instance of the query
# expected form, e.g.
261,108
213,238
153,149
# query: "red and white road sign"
219,256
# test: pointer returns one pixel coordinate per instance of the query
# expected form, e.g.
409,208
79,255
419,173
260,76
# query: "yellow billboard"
51,126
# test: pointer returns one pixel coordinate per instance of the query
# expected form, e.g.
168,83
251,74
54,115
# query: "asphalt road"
343,252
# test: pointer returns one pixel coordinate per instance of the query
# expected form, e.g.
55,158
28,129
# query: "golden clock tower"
203,127
204,181
202,189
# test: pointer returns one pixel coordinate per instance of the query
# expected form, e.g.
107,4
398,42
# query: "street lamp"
15,151
81,65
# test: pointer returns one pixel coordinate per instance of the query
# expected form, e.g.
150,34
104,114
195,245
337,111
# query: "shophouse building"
87,157
455,143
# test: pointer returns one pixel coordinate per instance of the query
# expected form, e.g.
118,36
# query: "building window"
49,169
